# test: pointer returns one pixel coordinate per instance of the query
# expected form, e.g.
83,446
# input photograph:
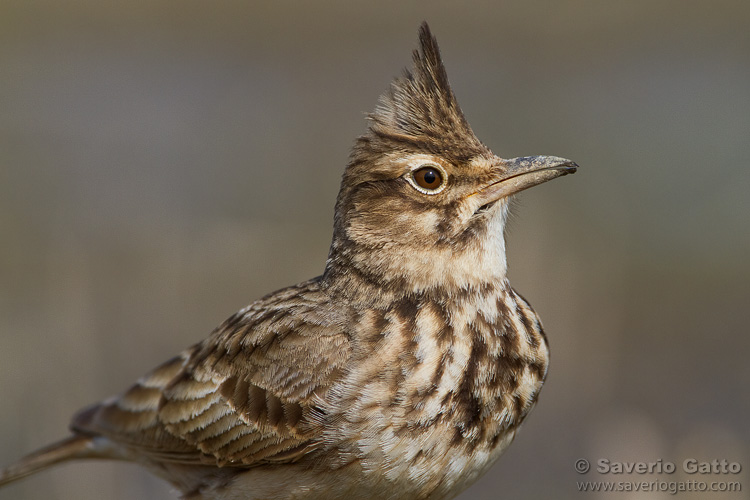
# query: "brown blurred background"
163,163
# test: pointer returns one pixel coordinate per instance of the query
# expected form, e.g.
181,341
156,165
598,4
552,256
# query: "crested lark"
403,371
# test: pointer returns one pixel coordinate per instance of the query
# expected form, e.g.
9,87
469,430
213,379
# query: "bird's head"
423,202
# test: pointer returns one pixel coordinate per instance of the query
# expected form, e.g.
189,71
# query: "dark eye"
428,178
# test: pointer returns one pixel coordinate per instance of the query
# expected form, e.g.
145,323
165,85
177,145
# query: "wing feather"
245,396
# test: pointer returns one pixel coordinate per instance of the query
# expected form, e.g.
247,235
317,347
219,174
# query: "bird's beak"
523,173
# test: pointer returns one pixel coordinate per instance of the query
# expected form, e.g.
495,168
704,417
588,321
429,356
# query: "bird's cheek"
451,223
385,226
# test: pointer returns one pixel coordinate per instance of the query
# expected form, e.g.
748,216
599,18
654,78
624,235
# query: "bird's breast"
438,387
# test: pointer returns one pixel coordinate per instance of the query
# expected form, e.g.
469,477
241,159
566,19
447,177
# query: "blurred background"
162,164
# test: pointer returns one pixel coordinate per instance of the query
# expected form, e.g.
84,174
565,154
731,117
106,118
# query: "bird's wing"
247,395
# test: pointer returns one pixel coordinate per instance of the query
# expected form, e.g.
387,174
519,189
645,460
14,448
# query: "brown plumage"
402,372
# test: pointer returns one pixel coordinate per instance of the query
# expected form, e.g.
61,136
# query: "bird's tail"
74,447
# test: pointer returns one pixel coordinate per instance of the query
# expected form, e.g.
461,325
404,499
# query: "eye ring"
428,178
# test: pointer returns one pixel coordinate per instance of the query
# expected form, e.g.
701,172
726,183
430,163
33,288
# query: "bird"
402,372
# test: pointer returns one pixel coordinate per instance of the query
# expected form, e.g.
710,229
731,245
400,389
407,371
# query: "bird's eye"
430,179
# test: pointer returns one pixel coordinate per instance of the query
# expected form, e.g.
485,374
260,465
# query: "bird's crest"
419,111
